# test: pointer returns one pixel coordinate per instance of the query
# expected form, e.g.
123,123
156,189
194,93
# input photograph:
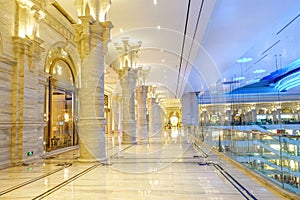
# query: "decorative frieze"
58,23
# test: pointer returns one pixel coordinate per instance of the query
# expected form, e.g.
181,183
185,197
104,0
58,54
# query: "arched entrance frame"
172,114
64,53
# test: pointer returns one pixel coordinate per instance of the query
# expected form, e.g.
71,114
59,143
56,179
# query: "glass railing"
274,156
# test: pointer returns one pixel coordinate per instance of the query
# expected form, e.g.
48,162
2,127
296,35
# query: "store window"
61,94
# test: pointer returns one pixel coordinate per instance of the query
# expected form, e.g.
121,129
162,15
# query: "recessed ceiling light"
121,30
244,60
158,27
259,71
253,80
239,78
162,50
163,60
155,2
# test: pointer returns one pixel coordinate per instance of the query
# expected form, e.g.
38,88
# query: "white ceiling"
227,30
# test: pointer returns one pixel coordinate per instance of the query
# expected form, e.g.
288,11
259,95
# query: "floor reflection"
159,152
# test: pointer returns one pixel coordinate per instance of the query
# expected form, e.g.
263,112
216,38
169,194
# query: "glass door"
60,131
61,119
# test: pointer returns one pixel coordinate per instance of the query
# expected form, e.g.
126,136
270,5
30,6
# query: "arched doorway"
173,119
61,101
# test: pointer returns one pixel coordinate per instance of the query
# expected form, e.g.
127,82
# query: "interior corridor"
167,166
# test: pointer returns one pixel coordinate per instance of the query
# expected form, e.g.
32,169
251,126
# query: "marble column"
274,121
229,116
278,115
150,104
27,118
128,106
128,75
156,118
116,114
142,124
91,120
205,121
253,115
24,64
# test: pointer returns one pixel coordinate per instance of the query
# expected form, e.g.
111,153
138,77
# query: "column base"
128,139
92,140
142,132
129,132
86,160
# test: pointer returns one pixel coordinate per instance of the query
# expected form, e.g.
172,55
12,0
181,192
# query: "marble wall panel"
5,93
5,142
32,141
7,26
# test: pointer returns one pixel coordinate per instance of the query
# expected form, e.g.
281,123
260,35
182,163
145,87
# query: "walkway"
166,167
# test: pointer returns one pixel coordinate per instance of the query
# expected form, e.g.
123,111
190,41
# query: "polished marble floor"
164,167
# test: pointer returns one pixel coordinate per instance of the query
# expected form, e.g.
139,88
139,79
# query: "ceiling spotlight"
158,27
244,60
121,30
259,71
155,2
253,81
239,78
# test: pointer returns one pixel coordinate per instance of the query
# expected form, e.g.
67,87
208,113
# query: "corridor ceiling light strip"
194,35
295,84
288,81
288,24
182,48
291,66
288,85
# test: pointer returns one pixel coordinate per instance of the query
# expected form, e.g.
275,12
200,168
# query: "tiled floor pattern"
163,168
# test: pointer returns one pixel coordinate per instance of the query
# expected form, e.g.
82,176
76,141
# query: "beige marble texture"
165,168
142,124
128,122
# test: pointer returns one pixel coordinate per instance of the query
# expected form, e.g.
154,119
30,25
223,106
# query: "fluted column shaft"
154,112
141,97
116,112
157,116
91,121
128,107
151,102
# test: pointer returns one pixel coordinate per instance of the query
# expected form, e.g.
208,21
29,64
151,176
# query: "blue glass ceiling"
280,80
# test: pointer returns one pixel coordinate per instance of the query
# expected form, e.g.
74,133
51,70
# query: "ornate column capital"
91,33
107,26
21,45
96,8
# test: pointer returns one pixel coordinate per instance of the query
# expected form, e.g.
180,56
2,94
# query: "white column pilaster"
91,120
128,107
141,97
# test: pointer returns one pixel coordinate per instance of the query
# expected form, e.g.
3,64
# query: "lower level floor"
168,165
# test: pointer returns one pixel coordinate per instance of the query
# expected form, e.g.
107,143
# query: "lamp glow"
239,78
244,60
259,71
